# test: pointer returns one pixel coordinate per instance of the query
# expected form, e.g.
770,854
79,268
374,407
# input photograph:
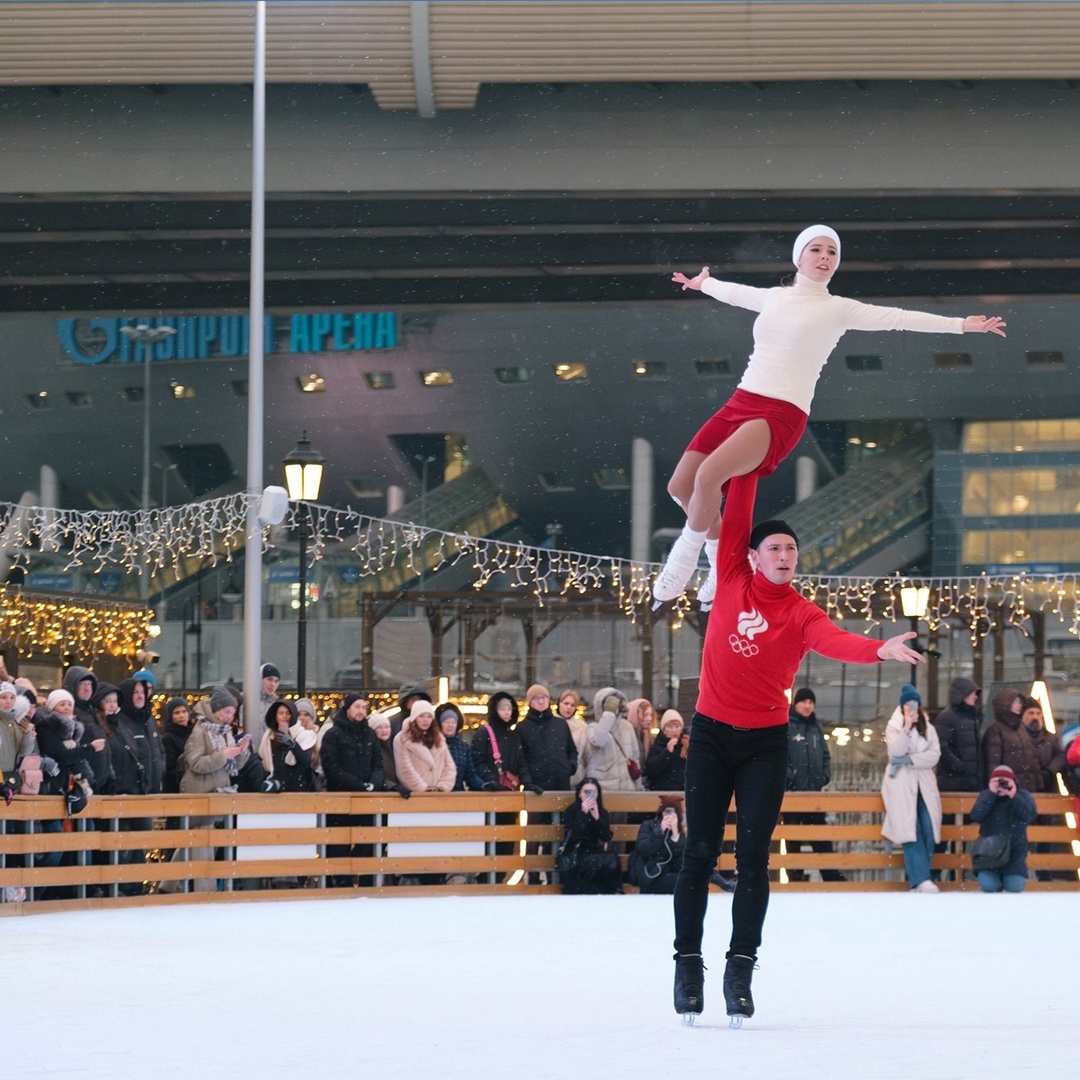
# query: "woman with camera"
658,852
584,862
909,788
1003,812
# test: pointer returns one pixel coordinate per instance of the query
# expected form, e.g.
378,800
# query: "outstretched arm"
980,324
895,649
690,283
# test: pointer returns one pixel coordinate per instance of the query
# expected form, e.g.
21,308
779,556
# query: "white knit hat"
812,232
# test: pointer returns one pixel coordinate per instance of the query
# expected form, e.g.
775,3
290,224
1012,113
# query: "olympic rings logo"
742,646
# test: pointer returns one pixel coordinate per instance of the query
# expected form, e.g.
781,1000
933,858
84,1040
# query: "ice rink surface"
850,986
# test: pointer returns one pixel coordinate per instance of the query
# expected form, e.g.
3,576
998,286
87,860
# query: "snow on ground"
855,986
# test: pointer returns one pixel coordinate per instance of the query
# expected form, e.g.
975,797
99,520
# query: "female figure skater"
796,330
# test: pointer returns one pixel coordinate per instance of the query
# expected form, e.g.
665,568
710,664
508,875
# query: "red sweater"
759,632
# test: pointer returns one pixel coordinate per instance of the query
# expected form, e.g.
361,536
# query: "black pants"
349,851
721,762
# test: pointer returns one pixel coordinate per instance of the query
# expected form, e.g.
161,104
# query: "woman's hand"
696,282
671,744
980,324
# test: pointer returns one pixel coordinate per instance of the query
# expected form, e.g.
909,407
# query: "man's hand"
895,649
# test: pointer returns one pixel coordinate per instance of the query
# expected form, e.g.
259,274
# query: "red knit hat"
1003,772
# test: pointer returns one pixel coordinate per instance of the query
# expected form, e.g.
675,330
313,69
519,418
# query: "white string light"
389,554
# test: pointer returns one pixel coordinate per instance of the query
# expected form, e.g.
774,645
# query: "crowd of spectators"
88,736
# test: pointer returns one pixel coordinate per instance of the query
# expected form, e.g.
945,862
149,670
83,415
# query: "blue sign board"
204,337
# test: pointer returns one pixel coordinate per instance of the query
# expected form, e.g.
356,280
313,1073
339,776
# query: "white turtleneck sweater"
800,325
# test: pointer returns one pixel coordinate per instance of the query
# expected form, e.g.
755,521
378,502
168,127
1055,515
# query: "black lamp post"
303,478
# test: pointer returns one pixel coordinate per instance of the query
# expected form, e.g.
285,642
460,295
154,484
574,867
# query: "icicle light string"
168,540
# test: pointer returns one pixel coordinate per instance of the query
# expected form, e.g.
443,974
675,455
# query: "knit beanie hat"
768,528
8,688
56,697
804,693
421,708
1003,772
269,671
535,689
306,705
812,232
221,699
909,693
669,715
350,699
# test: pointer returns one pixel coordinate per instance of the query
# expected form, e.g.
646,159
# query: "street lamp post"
303,478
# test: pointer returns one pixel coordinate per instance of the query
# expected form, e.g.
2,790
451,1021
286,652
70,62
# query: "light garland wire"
389,554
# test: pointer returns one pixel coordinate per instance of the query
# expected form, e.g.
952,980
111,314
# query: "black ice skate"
737,997
689,986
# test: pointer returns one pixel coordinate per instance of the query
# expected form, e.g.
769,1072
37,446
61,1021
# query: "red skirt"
786,422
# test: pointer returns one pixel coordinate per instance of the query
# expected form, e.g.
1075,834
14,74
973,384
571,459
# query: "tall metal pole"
301,626
146,432
253,539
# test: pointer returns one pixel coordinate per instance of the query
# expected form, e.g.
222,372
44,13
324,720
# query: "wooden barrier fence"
126,850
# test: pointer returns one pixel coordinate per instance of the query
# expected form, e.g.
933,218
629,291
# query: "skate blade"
735,1021
688,1019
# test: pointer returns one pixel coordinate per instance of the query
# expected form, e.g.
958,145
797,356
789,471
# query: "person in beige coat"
613,744
567,708
211,759
421,757
909,788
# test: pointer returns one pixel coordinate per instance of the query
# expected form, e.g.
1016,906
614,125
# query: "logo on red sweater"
751,623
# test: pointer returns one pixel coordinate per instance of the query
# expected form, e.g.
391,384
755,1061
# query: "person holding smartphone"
584,862
1003,807
909,788
658,852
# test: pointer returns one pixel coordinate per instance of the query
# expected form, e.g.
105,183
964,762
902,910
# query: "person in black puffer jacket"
958,727
137,754
174,738
59,733
809,769
665,767
352,761
82,684
502,714
1005,808
584,862
658,852
547,743
138,759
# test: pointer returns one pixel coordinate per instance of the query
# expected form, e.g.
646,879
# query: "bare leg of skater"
738,455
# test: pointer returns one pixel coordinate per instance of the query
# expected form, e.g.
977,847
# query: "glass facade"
1009,497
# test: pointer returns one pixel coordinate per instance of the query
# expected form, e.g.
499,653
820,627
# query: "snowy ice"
849,985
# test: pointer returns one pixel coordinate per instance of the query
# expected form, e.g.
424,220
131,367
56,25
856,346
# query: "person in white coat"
909,788
613,748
